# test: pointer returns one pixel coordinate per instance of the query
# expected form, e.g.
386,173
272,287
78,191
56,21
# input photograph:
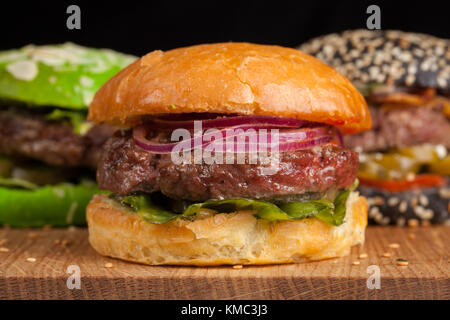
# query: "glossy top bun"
231,78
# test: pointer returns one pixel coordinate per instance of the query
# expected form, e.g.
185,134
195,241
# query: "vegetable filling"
151,210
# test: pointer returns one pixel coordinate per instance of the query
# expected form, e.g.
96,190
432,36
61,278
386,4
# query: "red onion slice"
140,139
288,140
338,134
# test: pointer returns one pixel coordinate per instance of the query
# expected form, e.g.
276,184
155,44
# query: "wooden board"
426,276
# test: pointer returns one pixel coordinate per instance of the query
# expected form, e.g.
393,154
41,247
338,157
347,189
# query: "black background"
138,27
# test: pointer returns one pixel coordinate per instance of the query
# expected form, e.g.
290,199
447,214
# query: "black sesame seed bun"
401,208
401,58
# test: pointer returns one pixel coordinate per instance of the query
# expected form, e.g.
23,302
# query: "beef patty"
399,127
125,168
30,135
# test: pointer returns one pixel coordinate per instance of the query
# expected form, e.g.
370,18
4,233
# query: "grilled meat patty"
31,135
402,126
125,168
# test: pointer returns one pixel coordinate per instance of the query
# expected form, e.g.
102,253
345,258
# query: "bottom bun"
226,238
425,205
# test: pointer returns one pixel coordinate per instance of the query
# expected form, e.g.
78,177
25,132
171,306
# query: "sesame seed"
419,210
108,265
414,202
356,263
373,212
238,266
444,193
423,200
411,236
386,254
32,235
31,259
385,220
428,214
57,241
412,223
3,241
410,78
394,245
363,256
379,201
378,217
393,201
402,207
3,249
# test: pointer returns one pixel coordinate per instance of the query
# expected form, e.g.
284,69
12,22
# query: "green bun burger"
48,151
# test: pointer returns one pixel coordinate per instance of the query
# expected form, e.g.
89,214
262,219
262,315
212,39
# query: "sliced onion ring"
288,139
140,139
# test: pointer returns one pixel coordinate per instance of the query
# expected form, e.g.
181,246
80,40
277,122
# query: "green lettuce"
331,212
145,208
76,119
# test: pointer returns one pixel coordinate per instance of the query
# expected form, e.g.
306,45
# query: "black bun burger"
200,213
405,77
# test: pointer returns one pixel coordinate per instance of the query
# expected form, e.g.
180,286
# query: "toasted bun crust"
236,238
231,78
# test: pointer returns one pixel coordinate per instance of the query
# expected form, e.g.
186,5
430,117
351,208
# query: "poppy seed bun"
401,58
231,78
231,238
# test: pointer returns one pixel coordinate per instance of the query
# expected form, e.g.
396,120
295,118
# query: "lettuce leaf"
302,210
264,210
148,211
77,120
331,212
336,215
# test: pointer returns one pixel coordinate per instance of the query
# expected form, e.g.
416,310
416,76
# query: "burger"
48,151
199,212
405,78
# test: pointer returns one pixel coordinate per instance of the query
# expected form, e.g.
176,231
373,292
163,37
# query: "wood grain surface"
54,250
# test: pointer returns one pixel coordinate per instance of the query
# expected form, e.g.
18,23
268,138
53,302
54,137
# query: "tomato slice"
419,181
